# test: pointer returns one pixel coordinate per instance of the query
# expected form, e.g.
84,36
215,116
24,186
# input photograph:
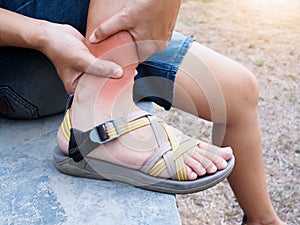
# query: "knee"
244,95
249,90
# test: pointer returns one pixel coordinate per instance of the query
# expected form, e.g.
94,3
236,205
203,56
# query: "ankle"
81,110
98,99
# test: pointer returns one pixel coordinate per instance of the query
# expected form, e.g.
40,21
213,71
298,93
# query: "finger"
109,27
103,68
71,83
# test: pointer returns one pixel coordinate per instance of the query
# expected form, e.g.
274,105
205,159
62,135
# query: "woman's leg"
99,99
215,88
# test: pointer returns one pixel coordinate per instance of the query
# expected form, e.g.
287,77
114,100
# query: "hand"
65,47
150,22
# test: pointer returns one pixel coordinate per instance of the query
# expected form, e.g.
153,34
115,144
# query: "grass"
259,62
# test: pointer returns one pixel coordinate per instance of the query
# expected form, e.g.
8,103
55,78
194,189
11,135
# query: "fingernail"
118,72
93,38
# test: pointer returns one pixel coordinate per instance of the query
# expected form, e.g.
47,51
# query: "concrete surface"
33,192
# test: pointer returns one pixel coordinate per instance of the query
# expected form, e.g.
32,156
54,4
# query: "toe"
211,162
225,153
218,161
211,168
194,165
191,174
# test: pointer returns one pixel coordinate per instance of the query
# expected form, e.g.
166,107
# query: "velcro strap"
74,151
82,143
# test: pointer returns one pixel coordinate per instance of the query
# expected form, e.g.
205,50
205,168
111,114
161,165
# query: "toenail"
202,171
224,163
213,168
229,149
194,175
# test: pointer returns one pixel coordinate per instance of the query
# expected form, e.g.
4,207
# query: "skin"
217,89
234,114
151,32
98,100
239,128
62,44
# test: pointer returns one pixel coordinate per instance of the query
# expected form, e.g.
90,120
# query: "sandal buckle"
100,135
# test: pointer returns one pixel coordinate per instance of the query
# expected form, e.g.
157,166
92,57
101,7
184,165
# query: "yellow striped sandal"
169,156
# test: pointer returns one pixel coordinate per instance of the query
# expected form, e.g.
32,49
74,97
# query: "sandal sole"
101,170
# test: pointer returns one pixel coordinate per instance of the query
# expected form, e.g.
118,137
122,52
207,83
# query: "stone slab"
33,192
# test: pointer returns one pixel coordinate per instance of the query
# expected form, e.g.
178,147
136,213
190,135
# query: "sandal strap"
178,164
113,129
66,125
82,143
170,155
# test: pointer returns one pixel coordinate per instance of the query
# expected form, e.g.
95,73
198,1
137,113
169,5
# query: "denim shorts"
30,87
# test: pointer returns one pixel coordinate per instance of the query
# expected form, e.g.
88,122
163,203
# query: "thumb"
109,27
103,68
